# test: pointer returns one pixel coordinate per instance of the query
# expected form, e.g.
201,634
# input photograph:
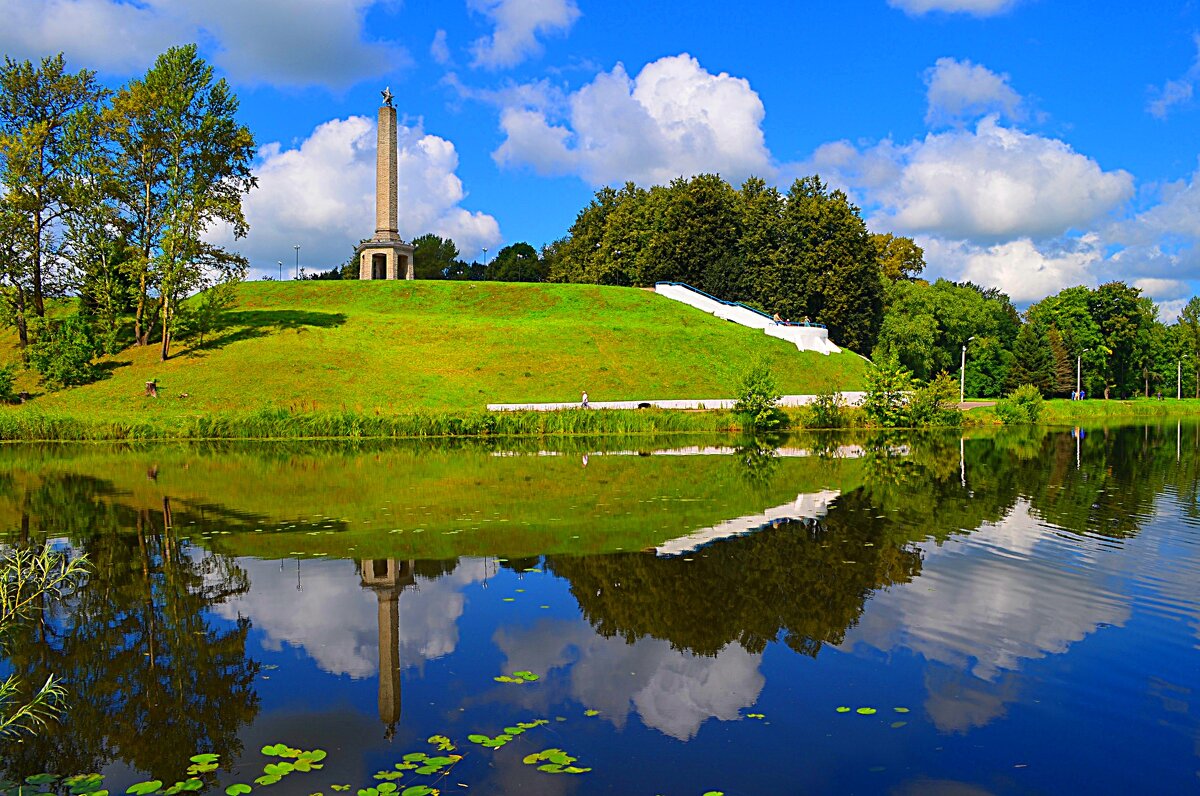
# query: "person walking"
584,401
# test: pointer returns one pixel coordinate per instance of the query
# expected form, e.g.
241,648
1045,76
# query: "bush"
758,399
62,351
936,403
1022,405
8,376
887,388
826,411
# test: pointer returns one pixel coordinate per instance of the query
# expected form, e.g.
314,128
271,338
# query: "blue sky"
1027,144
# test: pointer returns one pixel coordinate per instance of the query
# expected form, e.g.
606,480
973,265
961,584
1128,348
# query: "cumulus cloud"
439,50
336,621
517,25
961,90
987,185
979,8
673,691
321,195
1023,269
310,42
675,118
1175,92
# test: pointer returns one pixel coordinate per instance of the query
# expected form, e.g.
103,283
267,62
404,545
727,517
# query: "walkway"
852,398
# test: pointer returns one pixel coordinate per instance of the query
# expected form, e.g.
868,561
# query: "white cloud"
517,24
277,42
336,621
439,50
979,8
673,691
321,194
1022,269
1163,289
1175,92
673,119
987,185
961,91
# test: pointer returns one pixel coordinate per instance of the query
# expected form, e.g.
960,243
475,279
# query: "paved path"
967,406
688,403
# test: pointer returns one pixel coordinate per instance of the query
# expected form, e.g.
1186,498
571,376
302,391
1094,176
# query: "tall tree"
44,111
433,257
1189,333
1124,318
1063,381
899,257
1032,361
188,162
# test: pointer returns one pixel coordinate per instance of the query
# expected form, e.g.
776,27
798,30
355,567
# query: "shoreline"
286,424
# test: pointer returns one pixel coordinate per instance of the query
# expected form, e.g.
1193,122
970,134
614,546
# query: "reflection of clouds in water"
1012,591
335,620
986,603
672,691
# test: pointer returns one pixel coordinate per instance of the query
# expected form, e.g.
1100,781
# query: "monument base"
382,259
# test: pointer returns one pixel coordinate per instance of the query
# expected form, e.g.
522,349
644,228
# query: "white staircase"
805,336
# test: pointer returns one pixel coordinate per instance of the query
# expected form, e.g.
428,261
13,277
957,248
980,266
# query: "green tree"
758,399
44,115
1124,318
1189,336
888,385
187,163
1063,381
518,262
433,256
1033,362
899,257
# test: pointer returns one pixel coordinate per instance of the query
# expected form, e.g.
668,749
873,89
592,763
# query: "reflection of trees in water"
808,580
151,679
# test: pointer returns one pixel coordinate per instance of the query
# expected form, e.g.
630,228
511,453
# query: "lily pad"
141,788
866,711
238,789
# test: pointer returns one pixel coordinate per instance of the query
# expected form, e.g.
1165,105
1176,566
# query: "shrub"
1022,405
887,387
758,399
62,351
826,411
8,376
935,403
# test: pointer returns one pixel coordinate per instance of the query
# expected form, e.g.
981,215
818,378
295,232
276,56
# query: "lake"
1013,612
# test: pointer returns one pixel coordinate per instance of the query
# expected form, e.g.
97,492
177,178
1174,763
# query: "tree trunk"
39,305
166,330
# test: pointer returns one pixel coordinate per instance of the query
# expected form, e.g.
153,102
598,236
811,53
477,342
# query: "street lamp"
962,375
280,262
1179,377
1078,372
297,248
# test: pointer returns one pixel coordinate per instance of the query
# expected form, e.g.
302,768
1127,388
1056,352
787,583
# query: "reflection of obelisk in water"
387,578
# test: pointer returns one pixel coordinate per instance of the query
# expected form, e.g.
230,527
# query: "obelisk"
386,255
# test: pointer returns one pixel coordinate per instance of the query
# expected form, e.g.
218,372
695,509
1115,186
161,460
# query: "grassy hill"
395,347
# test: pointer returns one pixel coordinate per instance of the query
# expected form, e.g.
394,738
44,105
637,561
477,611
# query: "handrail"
743,306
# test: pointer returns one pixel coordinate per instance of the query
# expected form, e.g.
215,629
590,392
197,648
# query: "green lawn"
396,347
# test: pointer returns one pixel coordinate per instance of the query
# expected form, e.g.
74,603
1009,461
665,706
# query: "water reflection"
1024,585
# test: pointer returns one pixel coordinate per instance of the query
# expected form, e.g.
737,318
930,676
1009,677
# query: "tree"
827,269
1124,318
187,164
1189,333
899,257
1032,361
434,256
1063,381
44,117
516,263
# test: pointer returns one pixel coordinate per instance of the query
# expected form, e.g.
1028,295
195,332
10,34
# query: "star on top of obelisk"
387,96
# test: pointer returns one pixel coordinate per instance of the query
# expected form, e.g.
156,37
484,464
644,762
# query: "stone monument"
385,255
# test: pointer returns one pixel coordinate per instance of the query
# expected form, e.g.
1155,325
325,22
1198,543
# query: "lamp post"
280,262
962,375
1078,372
1179,378
485,256
297,248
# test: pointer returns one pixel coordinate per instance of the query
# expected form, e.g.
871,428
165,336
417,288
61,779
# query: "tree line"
808,253
107,195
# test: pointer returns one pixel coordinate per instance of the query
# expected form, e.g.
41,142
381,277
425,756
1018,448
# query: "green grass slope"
394,347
